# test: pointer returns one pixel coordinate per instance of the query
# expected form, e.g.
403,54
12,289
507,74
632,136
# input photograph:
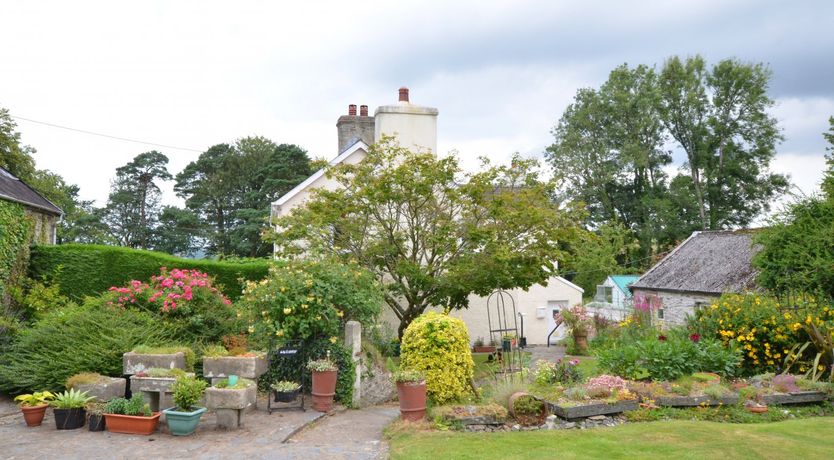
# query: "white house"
613,299
415,127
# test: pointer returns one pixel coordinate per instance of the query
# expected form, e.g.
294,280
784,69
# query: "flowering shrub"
185,298
308,299
576,318
562,371
612,382
756,324
438,345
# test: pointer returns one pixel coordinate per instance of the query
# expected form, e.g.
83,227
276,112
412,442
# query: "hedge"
88,270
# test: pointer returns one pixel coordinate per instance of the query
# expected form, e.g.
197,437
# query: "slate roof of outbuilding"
710,262
14,189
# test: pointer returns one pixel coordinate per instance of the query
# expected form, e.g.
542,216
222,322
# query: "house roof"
347,153
14,189
710,262
623,282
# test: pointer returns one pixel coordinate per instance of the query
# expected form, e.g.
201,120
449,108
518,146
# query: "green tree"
719,118
179,231
595,255
134,202
14,156
432,233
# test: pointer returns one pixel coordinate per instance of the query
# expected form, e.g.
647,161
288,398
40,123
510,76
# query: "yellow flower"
279,332
251,329
820,367
304,306
808,320
287,311
340,313
283,289
333,339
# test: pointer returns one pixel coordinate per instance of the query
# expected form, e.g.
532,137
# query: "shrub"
438,345
285,386
187,392
85,378
88,270
15,233
309,299
87,338
562,371
134,406
408,376
755,324
667,357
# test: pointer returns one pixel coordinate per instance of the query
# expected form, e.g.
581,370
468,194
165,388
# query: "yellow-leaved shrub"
438,345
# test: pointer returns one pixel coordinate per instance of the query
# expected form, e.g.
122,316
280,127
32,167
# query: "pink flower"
695,337
574,362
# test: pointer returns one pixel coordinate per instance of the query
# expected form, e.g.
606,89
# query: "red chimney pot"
403,94
352,110
363,110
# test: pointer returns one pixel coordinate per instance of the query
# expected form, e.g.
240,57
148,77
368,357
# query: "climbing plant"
15,232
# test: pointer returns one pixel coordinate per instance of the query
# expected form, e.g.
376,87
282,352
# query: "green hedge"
88,270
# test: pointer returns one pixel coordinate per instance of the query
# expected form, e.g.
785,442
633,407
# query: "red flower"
662,338
695,337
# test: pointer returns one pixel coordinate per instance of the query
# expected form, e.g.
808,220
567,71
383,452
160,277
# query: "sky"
194,74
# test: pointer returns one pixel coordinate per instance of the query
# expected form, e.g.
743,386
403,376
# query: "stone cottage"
694,274
415,127
44,214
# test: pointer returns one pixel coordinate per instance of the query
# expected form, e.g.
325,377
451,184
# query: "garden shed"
699,270
44,213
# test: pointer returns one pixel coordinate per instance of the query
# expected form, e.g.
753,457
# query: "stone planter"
693,401
135,362
230,404
249,367
798,397
590,410
105,391
156,390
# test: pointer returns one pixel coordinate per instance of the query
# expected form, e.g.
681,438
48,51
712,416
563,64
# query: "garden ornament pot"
412,400
34,414
324,389
132,424
286,396
96,422
183,423
69,419
232,380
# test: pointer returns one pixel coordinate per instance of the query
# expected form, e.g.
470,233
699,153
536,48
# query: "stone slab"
223,366
588,410
799,397
136,362
111,389
693,401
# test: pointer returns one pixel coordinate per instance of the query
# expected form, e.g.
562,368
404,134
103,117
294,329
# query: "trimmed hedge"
88,269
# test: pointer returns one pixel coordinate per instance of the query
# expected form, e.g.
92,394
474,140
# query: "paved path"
551,353
349,434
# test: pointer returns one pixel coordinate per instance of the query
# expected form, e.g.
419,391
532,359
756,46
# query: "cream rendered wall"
527,302
414,126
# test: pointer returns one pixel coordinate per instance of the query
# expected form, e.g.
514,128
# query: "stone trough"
133,363
221,367
230,405
112,388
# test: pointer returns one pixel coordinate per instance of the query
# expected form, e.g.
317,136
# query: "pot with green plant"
33,406
527,409
184,417
324,372
95,416
479,347
285,391
130,416
68,408
577,321
508,342
411,388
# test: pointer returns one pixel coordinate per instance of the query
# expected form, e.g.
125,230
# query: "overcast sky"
193,74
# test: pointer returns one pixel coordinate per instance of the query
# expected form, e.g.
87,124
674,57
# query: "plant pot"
324,389
756,409
69,419
506,345
412,400
484,349
34,415
580,340
286,396
132,424
526,419
183,423
96,422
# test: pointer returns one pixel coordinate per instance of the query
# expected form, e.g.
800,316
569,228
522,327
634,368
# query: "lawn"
802,438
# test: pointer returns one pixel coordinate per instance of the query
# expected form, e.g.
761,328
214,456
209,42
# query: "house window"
660,313
604,294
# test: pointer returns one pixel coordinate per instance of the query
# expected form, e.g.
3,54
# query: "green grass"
803,438
484,369
588,365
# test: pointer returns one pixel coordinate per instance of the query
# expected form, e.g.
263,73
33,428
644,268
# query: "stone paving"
346,434
551,353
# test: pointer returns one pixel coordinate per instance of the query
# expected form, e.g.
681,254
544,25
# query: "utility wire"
92,133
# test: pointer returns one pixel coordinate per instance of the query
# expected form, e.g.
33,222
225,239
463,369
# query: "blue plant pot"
183,423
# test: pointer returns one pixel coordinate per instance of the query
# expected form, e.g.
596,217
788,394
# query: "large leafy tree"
720,118
134,202
179,231
432,233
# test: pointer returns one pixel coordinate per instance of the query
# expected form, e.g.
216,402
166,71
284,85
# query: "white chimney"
414,126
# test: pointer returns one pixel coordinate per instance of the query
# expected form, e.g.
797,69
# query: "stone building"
44,214
695,273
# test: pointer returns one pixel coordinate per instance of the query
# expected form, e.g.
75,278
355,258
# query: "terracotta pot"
484,349
130,424
756,410
412,400
34,415
324,389
526,419
580,339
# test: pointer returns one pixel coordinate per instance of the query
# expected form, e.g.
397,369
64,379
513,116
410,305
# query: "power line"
92,133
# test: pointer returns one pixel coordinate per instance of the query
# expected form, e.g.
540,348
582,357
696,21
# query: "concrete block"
225,398
224,366
135,362
111,389
229,419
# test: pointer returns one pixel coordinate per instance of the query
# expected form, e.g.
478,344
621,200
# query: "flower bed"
467,415
601,395
696,390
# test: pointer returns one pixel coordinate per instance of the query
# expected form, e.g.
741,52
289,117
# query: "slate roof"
709,262
14,189
624,281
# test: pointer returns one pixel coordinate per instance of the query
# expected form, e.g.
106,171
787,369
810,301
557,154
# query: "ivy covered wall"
15,235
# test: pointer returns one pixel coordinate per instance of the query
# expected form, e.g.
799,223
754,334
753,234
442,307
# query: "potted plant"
95,416
527,409
285,391
69,409
324,383
130,416
184,417
577,321
508,342
411,388
479,347
34,406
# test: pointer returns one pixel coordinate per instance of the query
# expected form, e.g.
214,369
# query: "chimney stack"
352,128
363,110
352,110
403,94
